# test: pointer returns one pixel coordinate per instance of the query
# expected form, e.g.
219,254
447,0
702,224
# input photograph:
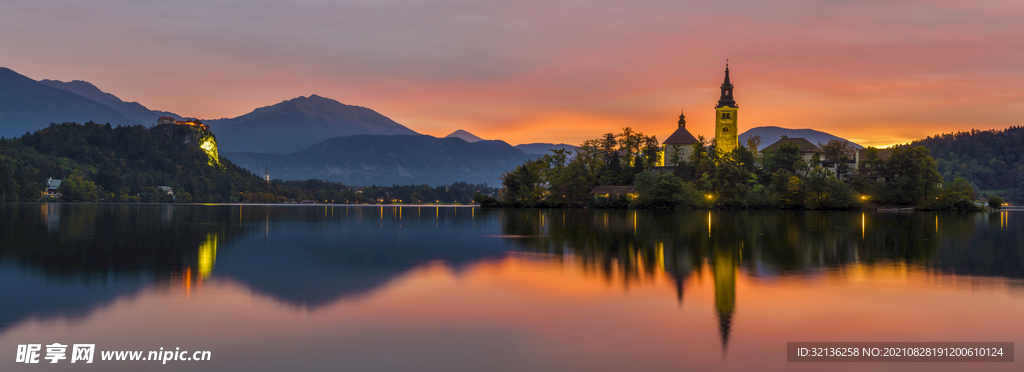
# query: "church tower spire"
726,99
726,131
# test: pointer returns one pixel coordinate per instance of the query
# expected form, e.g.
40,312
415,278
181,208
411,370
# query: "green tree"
77,188
914,176
675,156
651,151
786,158
1019,189
818,187
840,152
995,202
788,189
568,183
730,180
630,141
663,191
701,160
523,186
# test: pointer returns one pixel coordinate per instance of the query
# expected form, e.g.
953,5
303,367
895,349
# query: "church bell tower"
726,132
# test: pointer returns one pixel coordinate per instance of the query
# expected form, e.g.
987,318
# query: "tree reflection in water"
635,245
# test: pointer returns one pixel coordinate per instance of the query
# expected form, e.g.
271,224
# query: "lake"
427,288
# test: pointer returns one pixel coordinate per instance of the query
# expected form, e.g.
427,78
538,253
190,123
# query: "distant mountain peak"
295,124
27,105
772,134
133,110
465,136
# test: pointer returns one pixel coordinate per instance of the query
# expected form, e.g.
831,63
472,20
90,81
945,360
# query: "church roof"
883,154
726,100
803,144
680,137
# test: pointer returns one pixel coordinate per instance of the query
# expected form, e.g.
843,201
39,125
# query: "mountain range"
27,105
770,135
528,148
133,110
388,160
544,148
296,124
466,136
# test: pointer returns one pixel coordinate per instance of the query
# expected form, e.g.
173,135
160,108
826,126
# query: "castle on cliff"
169,120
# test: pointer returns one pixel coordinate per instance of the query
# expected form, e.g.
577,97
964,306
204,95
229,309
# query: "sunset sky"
874,72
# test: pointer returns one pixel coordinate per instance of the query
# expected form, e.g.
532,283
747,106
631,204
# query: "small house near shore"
52,188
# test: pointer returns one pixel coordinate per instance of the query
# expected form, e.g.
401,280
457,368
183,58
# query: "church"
681,142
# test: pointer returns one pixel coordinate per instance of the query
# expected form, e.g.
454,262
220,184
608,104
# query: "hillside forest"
100,162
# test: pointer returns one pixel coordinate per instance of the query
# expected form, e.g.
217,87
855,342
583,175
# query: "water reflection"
769,245
498,272
774,243
303,256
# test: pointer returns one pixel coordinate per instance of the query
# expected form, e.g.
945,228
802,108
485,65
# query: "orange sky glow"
874,72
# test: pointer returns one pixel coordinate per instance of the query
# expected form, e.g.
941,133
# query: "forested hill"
991,159
123,163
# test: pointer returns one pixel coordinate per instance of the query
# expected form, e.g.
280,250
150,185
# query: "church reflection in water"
758,244
312,257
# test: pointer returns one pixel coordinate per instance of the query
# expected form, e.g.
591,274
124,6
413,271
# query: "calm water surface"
370,288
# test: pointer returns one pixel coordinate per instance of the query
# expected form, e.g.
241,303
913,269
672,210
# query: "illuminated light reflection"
207,255
187,281
661,256
724,270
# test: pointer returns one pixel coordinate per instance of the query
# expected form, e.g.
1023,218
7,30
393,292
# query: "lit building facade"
726,131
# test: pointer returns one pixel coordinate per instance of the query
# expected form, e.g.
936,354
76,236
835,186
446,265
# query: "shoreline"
881,209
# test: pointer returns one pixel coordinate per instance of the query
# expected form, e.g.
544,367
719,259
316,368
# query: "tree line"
335,192
744,178
991,160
